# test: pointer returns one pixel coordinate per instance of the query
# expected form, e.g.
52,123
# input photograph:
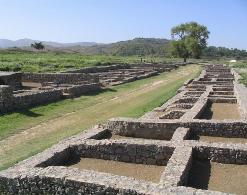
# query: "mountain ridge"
136,46
7,43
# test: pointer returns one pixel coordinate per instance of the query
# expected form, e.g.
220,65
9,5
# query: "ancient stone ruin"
193,144
124,73
24,90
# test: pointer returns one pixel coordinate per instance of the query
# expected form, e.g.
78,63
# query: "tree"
219,52
38,45
188,40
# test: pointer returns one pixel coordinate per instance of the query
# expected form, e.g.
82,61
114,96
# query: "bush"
4,68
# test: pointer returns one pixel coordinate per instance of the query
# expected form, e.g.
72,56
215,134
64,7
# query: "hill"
137,46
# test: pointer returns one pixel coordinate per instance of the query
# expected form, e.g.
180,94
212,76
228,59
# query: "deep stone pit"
131,160
212,139
229,178
108,134
220,111
139,171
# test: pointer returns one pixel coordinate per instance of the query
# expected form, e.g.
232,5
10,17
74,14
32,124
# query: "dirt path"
62,126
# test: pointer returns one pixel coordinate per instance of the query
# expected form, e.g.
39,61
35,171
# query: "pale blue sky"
107,21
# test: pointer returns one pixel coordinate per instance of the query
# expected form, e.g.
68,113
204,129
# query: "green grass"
53,62
85,111
241,68
27,118
239,64
243,78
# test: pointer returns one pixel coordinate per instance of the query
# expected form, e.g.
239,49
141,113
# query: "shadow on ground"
29,113
97,92
199,174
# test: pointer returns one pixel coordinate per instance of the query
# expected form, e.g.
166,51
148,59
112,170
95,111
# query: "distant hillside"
219,52
137,46
5,43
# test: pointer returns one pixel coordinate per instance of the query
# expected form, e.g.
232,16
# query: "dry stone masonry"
124,73
183,142
24,90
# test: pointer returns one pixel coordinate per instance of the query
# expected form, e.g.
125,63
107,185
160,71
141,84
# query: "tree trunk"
185,59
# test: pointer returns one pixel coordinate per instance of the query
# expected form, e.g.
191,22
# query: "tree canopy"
219,52
38,45
188,40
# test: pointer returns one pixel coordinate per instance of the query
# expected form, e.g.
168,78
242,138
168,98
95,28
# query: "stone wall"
56,86
228,155
37,98
142,130
165,128
156,67
172,115
6,98
22,101
78,90
124,73
6,92
13,79
219,128
131,152
148,140
68,78
46,173
26,99
161,67
60,180
96,69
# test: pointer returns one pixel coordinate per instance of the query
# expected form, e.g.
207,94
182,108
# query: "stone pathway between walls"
193,144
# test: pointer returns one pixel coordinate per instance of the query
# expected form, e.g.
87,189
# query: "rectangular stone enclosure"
195,143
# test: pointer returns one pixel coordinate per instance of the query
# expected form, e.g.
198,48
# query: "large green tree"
188,40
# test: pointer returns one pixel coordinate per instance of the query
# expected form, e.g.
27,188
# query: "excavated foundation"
195,143
212,139
229,178
221,111
218,172
139,171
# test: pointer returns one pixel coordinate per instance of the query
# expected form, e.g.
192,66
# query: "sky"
106,21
